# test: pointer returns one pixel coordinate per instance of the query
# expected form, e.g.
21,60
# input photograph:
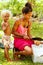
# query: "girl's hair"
28,4
27,8
3,12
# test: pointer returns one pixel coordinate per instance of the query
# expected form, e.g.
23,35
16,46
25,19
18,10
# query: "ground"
26,61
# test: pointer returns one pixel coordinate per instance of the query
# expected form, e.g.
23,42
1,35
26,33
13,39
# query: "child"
6,14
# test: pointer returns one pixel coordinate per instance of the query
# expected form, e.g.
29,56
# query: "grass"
26,61
37,29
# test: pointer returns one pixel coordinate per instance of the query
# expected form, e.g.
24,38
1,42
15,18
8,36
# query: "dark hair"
26,10
28,4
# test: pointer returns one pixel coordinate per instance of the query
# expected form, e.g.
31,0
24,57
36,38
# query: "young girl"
6,14
21,31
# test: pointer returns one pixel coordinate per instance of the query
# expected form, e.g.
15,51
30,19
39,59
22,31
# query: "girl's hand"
7,46
6,24
25,37
37,43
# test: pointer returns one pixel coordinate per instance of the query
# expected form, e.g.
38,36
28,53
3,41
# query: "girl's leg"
6,53
15,54
27,51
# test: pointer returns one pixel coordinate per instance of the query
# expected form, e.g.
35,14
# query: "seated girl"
21,32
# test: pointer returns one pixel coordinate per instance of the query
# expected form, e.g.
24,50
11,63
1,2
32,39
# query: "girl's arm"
16,34
29,29
3,27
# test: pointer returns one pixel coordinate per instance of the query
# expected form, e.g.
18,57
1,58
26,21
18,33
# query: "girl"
21,31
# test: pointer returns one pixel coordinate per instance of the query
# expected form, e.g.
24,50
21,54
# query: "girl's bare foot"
9,60
16,56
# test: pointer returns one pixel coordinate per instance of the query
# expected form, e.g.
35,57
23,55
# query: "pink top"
22,30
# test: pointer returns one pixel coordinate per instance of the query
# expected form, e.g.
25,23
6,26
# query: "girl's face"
28,15
6,17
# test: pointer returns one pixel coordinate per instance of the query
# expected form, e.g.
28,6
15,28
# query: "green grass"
37,29
26,61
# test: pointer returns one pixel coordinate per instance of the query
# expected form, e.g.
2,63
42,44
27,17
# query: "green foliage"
14,5
37,7
1,34
0,23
